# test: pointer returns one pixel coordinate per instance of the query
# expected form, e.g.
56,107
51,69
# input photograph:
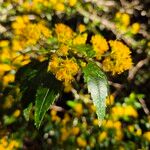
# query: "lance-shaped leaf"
44,99
27,112
98,87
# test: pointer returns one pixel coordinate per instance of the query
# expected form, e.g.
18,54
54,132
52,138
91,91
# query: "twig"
107,24
144,106
135,69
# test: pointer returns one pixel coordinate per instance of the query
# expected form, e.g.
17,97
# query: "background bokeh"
71,123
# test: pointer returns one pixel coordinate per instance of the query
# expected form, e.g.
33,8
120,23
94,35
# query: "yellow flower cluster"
99,45
119,59
124,111
64,69
64,33
80,39
111,124
27,33
39,5
81,142
123,23
123,18
8,145
135,130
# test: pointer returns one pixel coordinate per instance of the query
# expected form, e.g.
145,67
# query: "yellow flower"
146,135
4,43
8,78
96,122
27,33
64,69
119,134
81,142
117,111
78,109
117,125
64,134
4,67
130,111
54,116
44,30
63,32
66,119
125,19
119,59
59,7
102,136
118,15
72,2
80,39
135,28
138,132
108,124
81,28
99,45
110,100
131,128
63,50
75,130
16,113
124,111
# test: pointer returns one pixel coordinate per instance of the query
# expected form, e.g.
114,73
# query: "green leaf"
98,87
44,99
27,111
85,50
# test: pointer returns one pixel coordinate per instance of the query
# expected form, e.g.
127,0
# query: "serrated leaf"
27,111
85,50
44,99
98,87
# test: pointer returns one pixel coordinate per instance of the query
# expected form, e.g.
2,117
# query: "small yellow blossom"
64,134
135,28
16,113
118,15
63,32
4,43
99,45
81,142
63,50
72,2
125,19
110,100
4,67
78,109
81,28
102,136
124,111
8,78
138,132
80,39
54,116
96,122
75,130
146,135
119,59
130,111
59,7
65,119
